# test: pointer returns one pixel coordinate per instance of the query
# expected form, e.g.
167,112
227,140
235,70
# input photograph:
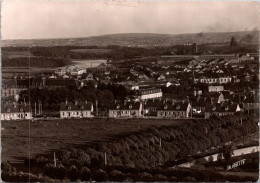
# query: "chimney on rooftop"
76,102
173,102
198,98
86,102
66,102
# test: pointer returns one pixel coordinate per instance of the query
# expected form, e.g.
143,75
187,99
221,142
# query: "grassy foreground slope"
137,156
21,137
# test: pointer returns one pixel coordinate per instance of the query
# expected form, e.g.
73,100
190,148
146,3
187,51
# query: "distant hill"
141,39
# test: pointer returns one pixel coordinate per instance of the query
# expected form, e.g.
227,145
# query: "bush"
41,161
7,167
189,179
58,172
117,176
85,174
73,173
99,175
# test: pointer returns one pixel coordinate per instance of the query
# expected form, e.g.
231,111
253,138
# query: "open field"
88,63
19,138
8,72
94,51
16,54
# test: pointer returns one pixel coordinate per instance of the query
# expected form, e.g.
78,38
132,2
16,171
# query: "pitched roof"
223,107
153,103
60,82
199,102
15,108
24,82
147,90
9,83
124,106
78,106
253,98
173,106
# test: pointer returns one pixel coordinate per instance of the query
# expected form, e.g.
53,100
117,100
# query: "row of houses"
14,111
134,109
72,70
213,80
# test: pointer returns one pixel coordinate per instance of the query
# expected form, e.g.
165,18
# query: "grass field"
94,51
19,138
16,54
8,72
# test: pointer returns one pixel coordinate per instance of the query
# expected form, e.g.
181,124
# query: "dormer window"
21,109
213,108
69,107
118,106
82,107
226,108
165,107
178,107
8,110
130,106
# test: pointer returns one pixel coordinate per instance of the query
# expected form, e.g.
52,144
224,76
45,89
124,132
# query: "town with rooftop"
120,91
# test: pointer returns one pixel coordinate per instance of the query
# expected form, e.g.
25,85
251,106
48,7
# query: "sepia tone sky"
76,18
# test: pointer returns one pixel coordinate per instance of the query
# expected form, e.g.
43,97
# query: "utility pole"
39,107
96,108
191,109
54,157
35,109
105,158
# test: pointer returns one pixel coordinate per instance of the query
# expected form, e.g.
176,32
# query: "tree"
227,152
232,43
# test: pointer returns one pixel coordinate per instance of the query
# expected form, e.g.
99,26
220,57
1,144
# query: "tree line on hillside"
122,52
35,62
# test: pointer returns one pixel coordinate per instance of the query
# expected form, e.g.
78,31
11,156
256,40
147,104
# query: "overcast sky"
23,19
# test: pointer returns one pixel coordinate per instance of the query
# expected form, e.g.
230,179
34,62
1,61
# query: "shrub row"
127,156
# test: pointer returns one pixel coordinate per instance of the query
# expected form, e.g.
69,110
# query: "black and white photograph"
129,91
